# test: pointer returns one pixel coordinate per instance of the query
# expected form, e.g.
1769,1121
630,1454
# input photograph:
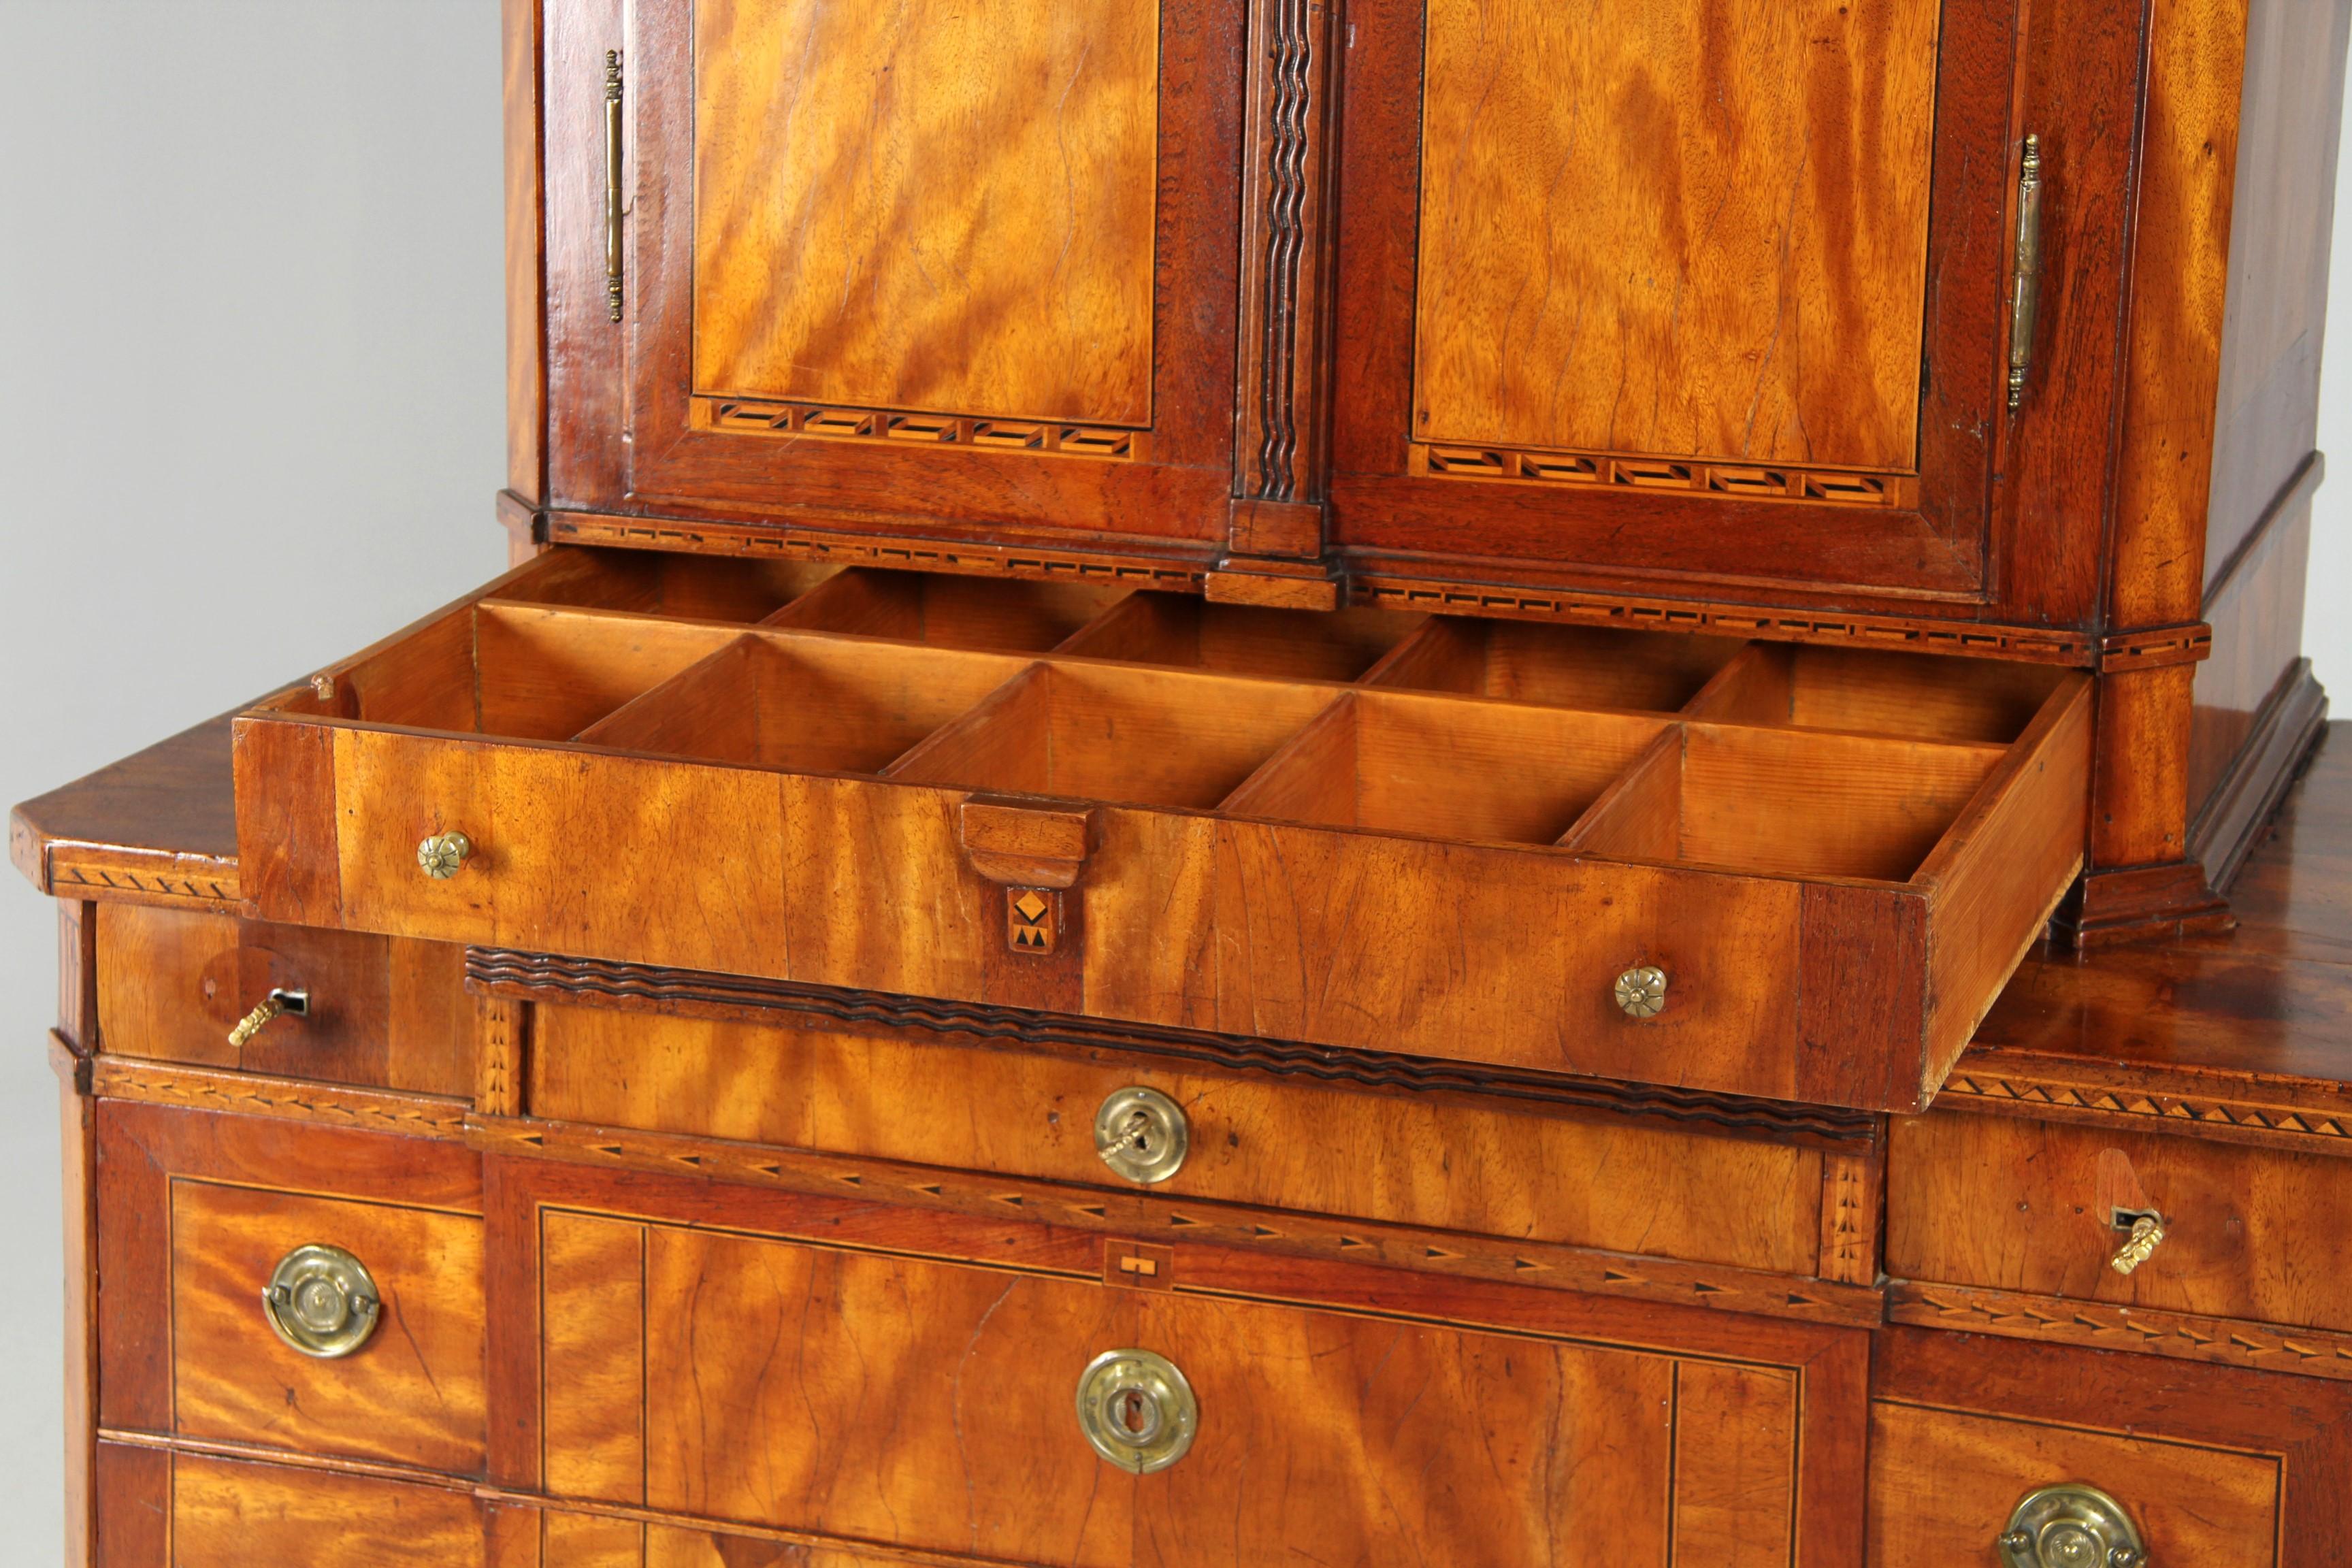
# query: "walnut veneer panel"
231,1515
2009,1203
1447,1162
1676,230
928,1406
414,1393
933,205
1942,1486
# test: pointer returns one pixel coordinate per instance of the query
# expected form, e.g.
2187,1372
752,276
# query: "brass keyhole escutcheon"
1142,1134
1642,992
322,1302
444,855
2071,1526
1137,1410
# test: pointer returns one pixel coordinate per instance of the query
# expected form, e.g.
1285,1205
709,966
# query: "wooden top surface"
2270,1001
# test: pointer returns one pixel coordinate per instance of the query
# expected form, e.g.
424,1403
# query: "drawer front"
1943,1485
2007,1204
590,1540
201,1216
934,1405
163,1510
1447,1162
379,1012
1799,875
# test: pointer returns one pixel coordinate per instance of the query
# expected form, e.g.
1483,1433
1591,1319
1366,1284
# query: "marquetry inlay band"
1039,437
1699,476
2330,1131
2180,1336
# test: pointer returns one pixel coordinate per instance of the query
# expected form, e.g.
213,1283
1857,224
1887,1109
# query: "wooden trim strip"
2180,1336
1541,1265
545,977
246,1094
2156,648
1170,573
208,882
2308,1130
1391,591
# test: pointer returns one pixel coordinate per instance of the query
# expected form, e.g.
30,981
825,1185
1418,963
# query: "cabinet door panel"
947,268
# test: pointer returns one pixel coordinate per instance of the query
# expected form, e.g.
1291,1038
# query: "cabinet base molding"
2234,818
2139,903
2181,1336
1211,1234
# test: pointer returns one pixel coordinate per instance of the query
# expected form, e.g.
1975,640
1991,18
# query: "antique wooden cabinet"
1272,781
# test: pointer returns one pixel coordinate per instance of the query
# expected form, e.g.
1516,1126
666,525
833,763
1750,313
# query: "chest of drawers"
1267,782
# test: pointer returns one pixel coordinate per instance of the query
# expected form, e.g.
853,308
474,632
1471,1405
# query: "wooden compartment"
1782,804
1445,770
1560,666
1455,874
1911,694
1011,615
1244,639
658,583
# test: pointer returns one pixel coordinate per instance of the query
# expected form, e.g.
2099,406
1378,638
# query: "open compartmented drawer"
1748,868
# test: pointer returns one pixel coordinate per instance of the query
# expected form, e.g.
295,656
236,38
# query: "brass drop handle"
322,1302
2147,1232
1137,1410
1142,1135
1642,992
280,1002
2025,298
612,172
2071,1526
444,855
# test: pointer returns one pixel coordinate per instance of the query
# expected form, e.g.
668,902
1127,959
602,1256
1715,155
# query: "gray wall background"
251,386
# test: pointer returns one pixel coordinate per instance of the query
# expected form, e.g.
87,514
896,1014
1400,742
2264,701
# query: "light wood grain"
415,1392
1004,616
226,1514
937,206
1245,639
1676,231
592,1415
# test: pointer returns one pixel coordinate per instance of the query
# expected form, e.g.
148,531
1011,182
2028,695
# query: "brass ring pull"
444,855
1137,1410
280,1002
322,1302
1142,1134
1642,992
2071,1526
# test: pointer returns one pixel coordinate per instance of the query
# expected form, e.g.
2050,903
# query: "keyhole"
1134,1413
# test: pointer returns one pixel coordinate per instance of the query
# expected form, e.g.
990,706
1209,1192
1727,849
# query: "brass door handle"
444,855
2025,298
2071,1526
322,1302
279,1004
1137,1410
2147,1233
613,205
1142,1134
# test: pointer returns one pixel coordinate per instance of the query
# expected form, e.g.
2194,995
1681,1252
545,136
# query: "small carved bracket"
1024,845
1274,584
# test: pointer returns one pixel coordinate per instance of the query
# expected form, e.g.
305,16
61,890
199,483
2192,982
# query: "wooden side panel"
77,1185
286,822
1942,1485
937,206
226,1514
1735,1465
592,1274
1413,1158
1676,232
2016,1205
413,1395
134,1508
591,1540
526,254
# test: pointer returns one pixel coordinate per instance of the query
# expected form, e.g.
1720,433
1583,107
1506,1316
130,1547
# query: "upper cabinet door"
1713,293
923,264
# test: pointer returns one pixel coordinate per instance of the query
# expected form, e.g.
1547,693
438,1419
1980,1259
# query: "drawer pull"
1142,1134
279,1004
2147,1233
1137,1410
322,1302
444,855
2071,1526
1642,992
